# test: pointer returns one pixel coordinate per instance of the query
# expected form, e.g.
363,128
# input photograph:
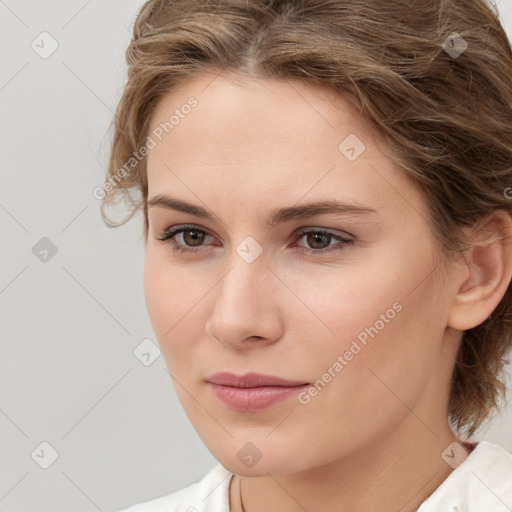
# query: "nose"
246,309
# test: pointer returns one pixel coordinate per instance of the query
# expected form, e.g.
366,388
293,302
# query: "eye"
319,236
194,237
190,234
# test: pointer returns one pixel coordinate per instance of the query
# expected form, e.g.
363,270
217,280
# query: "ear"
486,272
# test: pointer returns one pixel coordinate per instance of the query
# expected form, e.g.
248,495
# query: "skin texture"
372,438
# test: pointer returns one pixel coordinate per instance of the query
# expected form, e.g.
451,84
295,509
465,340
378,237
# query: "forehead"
232,108
259,136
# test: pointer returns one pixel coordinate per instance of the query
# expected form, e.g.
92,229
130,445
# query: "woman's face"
362,320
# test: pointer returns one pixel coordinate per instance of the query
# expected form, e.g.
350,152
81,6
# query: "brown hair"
444,111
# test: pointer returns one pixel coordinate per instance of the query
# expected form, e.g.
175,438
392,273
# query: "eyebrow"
276,216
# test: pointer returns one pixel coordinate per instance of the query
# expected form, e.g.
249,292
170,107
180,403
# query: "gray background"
70,324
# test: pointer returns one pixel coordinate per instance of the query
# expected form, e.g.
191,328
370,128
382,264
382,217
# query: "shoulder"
482,482
209,494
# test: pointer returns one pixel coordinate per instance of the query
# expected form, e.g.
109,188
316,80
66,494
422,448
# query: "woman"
328,215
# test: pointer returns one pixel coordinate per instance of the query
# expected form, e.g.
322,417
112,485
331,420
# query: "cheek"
367,372
157,292
170,294
176,299
370,325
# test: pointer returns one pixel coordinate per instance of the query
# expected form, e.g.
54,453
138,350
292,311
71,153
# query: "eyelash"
169,234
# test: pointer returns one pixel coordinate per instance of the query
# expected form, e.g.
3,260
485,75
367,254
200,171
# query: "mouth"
252,391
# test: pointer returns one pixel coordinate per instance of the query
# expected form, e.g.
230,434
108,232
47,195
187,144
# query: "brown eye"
318,240
191,237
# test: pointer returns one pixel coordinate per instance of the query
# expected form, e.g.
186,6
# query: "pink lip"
252,391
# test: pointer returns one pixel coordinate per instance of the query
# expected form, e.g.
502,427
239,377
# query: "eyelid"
330,231
179,228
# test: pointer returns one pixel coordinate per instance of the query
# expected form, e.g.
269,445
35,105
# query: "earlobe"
489,263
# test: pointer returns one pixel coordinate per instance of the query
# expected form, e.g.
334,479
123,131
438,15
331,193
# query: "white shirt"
482,483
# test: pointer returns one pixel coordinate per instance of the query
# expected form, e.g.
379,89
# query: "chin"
261,456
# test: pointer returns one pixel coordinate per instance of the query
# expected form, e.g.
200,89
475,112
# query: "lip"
251,380
252,391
